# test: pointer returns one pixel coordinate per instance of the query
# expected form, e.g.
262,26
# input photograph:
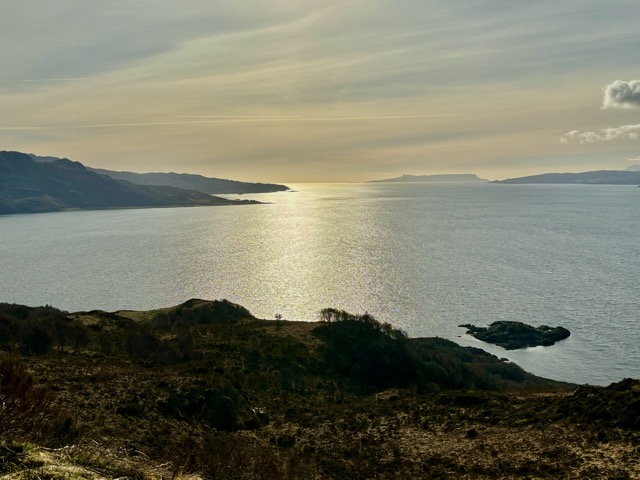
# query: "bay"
424,257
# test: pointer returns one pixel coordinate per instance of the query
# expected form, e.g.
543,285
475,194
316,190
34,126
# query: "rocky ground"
224,396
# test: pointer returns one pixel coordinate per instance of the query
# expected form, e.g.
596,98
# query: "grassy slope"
204,387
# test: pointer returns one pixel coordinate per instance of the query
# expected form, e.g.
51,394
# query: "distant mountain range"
212,186
27,186
600,177
453,177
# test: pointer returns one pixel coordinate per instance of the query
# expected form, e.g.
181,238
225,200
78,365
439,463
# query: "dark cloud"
621,94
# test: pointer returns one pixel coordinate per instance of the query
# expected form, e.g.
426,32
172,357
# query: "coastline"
203,384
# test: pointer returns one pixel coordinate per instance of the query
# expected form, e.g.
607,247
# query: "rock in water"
514,335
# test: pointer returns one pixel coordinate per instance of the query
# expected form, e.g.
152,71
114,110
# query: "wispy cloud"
314,91
47,80
221,119
623,132
621,94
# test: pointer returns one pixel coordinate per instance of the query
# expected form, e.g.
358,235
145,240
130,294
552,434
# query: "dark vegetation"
206,388
514,335
27,186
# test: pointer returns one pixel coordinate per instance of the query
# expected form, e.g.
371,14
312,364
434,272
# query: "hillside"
199,183
454,177
194,182
27,186
206,388
600,177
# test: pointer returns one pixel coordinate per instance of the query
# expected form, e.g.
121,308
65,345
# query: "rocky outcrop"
514,335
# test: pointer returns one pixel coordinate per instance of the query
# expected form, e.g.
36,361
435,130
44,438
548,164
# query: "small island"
516,335
451,177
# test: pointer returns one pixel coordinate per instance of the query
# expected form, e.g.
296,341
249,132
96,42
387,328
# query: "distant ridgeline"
454,177
27,186
600,177
187,181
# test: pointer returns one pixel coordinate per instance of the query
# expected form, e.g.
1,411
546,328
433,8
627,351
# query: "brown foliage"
28,410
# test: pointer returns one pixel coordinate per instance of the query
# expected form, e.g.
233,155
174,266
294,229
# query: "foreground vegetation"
206,389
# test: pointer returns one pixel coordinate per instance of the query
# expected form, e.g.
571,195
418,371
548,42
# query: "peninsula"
27,186
600,177
187,181
212,186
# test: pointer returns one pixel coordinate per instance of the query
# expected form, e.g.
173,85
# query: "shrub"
205,312
37,341
372,353
27,410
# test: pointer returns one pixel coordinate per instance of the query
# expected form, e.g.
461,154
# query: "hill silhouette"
599,177
185,181
452,177
27,186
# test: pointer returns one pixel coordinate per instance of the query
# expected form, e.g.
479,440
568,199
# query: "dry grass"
293,418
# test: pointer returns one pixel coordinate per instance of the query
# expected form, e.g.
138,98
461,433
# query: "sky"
331,91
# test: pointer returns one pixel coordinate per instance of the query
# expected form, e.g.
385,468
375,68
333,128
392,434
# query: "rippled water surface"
425,257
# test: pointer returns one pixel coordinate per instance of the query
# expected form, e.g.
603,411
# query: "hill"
600,177
185,181
454,177
27,186
194,182
206,388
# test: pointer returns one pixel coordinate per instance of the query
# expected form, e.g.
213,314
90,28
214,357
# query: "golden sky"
309,91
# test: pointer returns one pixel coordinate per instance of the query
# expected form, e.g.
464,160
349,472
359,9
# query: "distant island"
211,186
27,186
599,177
452,177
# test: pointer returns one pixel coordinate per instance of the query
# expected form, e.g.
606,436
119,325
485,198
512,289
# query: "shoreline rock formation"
516,335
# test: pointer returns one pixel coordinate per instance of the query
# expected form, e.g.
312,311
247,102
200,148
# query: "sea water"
423,257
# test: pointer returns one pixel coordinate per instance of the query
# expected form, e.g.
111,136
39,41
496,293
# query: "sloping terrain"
205,388
600,177
213,186
27,186
187,181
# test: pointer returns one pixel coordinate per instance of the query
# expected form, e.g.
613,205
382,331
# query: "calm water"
424,257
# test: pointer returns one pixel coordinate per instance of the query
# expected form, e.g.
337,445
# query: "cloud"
621,94
623,132
266,84
221,119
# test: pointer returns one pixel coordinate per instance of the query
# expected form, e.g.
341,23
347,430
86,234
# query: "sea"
425,257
